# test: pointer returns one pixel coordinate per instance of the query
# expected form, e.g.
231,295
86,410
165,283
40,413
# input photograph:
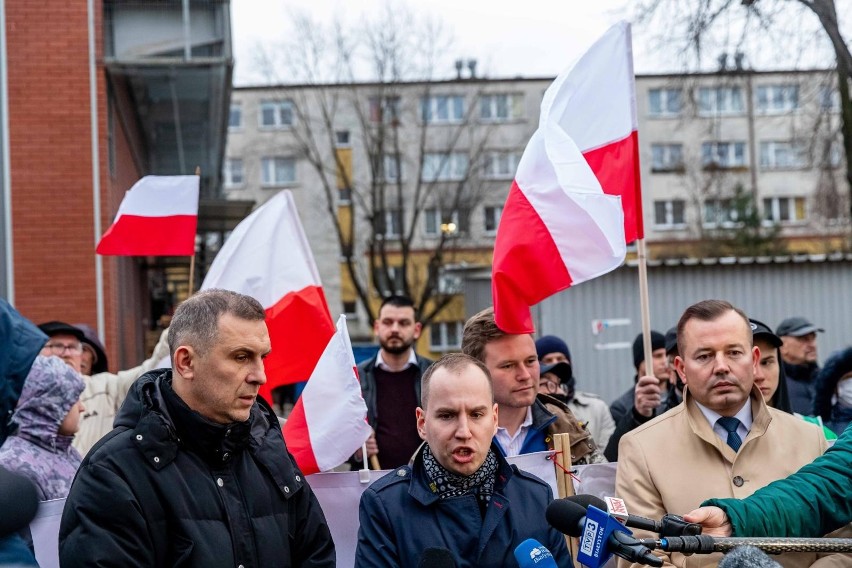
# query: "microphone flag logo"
599,526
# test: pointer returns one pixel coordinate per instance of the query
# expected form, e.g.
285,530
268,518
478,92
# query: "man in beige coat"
722,440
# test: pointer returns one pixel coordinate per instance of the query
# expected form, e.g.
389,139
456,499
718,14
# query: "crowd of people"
188,464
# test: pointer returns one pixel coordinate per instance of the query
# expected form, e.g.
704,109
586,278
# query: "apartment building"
411,166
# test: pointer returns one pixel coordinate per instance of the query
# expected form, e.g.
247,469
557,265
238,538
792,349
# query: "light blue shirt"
744,416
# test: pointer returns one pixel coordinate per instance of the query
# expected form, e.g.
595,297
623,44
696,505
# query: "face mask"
844,392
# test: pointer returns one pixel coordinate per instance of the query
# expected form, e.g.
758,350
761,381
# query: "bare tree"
702,25
374,84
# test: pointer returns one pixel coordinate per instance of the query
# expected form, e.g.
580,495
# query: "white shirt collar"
380,362
512,444
744,416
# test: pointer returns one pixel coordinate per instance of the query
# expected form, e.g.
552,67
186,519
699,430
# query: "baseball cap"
797,326
561,370
671,340
760,329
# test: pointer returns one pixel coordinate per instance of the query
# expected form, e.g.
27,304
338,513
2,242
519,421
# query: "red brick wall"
51,173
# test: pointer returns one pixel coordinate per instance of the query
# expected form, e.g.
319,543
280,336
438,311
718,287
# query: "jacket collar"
704,430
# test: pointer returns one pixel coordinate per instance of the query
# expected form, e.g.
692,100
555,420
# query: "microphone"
532,553
600,535
18,501
436,558
747,557
670,525
706,544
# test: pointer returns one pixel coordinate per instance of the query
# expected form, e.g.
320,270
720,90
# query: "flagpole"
192,258
645,304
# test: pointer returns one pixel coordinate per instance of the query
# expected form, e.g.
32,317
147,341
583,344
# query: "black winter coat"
169,488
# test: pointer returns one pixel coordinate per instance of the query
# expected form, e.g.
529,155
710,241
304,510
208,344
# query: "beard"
396,345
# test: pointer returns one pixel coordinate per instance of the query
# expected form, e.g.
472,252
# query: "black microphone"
436,558
747,557
570,518
18,501
670,525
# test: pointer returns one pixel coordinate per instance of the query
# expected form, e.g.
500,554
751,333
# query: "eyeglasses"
549,386
60,348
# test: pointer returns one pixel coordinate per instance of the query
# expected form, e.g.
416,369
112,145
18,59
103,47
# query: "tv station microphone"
670,525
532,554
600,534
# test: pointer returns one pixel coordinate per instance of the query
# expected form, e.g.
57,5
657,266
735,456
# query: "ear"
496,410
755,353
418,329
421,422
679,367
183,362
376,327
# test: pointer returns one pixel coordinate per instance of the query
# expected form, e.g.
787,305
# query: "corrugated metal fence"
815,287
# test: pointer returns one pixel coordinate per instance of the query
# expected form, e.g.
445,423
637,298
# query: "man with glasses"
105,392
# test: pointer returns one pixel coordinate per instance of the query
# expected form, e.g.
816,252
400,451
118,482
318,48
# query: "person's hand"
647,396
372,449
713,521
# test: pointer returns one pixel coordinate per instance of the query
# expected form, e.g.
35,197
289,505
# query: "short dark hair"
453,362
196,320
400,301
707,310
480,330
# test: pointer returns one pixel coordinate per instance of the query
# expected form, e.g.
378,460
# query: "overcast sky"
530,38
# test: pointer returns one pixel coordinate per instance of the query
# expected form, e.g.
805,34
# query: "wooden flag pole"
564,482
192,258
645,304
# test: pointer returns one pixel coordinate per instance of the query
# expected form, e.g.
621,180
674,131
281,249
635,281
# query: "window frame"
277,106
228,173
265,161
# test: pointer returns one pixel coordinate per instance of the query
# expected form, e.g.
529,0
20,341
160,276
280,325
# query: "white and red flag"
329,421
157,217
576,194
267,257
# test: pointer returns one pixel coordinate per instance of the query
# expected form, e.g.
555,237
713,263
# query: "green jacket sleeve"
812,502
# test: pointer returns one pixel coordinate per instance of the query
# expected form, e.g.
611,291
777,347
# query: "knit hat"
551,344
658,341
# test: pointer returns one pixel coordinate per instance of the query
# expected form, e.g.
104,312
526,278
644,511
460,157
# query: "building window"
445,336
235,117
384,110
341,139
829,98
784,209
444,166
777,98
723,155
452,223
388,281
388,223
667,158
720,213
450,284
720,100
392,168
442,109
500,165
276,114
350,309
233,173
669,214
664,102
492,218
278,170
500,108
782,155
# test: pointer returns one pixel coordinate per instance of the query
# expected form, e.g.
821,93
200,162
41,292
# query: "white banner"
339,495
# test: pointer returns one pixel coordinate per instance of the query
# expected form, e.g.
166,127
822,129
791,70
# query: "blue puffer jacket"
20,342
401,517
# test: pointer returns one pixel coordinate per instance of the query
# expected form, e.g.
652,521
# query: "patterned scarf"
448,484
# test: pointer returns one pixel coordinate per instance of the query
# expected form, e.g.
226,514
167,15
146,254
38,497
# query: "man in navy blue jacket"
460,494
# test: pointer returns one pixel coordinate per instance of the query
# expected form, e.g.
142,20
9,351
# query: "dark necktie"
730,424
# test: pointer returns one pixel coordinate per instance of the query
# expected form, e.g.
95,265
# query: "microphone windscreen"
436,558
747,557
566,516
585,500
531,553
18,501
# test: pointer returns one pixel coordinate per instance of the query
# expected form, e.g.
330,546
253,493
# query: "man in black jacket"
196,471
799,350
390,384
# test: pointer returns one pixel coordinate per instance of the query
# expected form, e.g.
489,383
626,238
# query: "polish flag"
329,422
157,217
267,257
576,192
